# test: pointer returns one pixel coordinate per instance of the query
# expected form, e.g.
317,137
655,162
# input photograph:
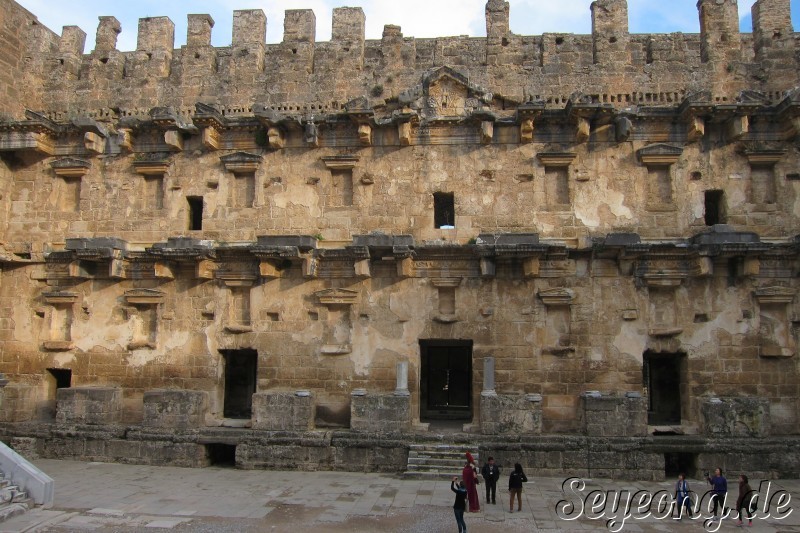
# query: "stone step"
437,461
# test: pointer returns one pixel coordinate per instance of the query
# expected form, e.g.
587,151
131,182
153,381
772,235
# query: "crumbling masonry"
581,249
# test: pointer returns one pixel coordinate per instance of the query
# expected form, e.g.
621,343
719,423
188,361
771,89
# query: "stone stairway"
13,500
438,461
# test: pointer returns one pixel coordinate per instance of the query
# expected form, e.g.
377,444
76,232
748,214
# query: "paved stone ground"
106,498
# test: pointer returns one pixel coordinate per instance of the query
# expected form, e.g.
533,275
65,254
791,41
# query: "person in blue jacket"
460,505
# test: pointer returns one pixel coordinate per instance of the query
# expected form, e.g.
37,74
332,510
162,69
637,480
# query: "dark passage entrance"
680,463
446,379
663,379
240,382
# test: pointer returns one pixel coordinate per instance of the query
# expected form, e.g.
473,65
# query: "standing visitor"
491,473
515,481
460,505
470,477
719,490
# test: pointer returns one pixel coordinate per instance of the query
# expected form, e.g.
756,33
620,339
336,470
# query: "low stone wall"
88,405
631,458
18,402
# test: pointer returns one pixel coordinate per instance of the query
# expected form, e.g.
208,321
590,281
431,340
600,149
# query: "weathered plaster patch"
630,341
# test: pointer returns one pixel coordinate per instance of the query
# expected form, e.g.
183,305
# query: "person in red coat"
470,477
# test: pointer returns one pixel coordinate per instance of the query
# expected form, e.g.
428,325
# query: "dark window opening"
62,377
444,210
195,212
735,270
680,463
662,377
221,454
446,379
240,382
714,208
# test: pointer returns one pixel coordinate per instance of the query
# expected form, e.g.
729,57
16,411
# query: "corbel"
693,110
405,119
175,127
310,266
275,138
581,110
363,116
526,117
788,111
212,122
623,128
204,269
737,127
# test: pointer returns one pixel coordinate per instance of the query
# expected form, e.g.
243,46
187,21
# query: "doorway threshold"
236,423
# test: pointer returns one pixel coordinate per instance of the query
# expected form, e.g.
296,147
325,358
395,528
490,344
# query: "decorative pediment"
445,92
558,296
152,163
241,162
660,154
70,167
774,295
336,296
340,162
556,159
143,297
59,297
763,156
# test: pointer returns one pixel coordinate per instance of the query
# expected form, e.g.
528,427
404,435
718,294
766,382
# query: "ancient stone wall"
25,45
608,212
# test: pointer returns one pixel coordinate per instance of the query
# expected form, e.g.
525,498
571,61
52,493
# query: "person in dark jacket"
491,473
743,501
719,490
515,481
460,505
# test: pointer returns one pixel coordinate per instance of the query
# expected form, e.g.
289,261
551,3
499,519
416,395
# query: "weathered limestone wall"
25,47
392,192
619,67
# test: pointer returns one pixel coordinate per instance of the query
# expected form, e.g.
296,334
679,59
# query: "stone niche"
511,414
284,411
177,409
738,417
379,413
88,405
614,416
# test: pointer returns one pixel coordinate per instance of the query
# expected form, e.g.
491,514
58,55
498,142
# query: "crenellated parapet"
302,72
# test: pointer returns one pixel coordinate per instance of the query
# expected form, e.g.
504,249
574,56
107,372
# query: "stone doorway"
240,382
663,377
445,380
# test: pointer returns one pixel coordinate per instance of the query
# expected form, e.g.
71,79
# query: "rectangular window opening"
444,212
714,208
195,212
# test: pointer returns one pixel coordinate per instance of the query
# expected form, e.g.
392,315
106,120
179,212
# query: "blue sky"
418,18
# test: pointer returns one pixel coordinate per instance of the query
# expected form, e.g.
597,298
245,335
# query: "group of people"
467,489
719,491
